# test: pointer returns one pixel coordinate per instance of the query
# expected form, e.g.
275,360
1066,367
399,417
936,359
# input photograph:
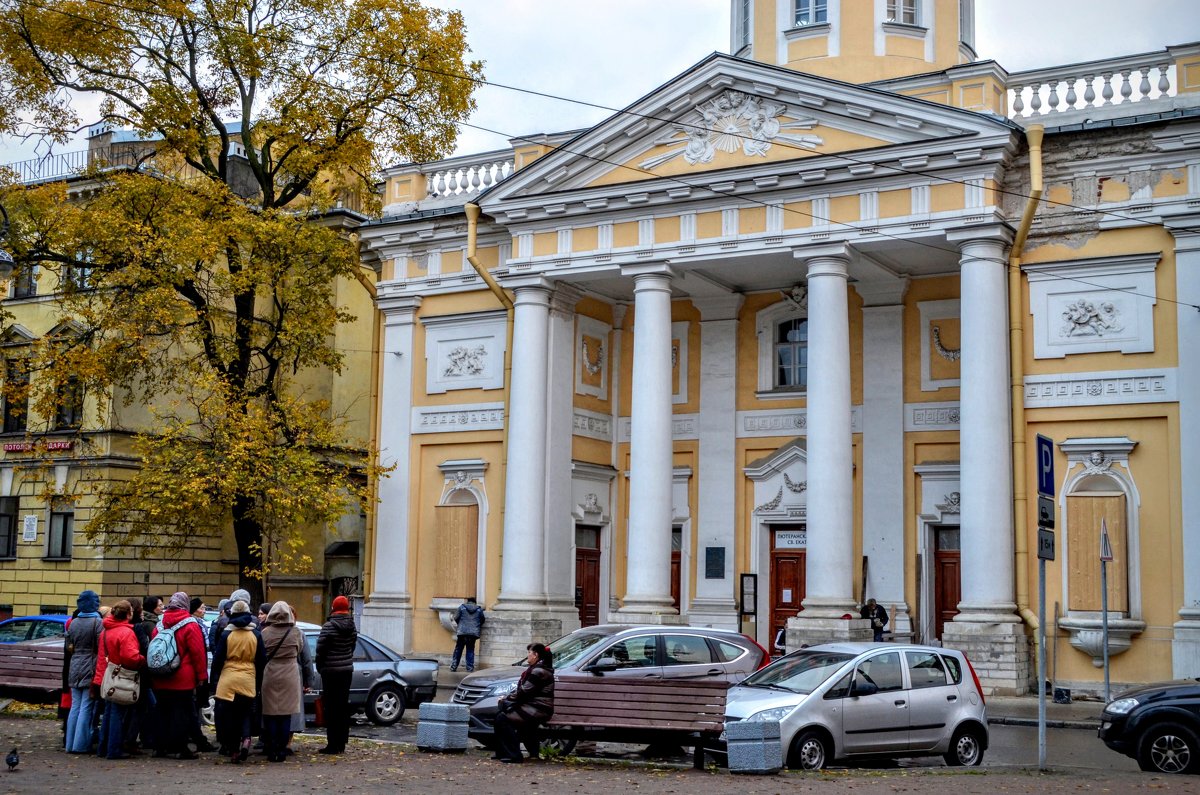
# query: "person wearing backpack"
83,638
178,664
119,646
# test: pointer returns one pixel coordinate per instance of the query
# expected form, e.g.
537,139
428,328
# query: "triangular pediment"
727,113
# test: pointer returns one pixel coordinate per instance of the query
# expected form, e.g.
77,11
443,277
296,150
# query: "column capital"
823,251
533,294
647,269
1186,230
719,307
564,298
885,293
963,236
398,309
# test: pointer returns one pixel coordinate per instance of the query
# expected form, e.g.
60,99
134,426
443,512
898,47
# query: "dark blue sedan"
21,628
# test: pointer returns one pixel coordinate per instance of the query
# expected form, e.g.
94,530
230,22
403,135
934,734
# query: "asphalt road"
1011,746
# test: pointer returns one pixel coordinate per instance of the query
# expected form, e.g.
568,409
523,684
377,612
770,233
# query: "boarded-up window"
1084,513
457,550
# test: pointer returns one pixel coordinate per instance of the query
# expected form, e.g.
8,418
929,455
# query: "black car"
1158,725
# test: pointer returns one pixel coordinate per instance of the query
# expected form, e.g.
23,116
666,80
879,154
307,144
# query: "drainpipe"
368,576
472,210
1016,344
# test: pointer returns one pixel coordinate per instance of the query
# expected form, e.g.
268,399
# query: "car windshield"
802,672
570,648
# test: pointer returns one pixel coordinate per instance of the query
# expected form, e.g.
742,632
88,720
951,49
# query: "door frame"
939,506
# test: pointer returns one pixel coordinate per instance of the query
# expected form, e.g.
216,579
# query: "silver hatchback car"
867,700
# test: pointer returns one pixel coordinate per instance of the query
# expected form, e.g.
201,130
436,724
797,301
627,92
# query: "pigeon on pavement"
13,760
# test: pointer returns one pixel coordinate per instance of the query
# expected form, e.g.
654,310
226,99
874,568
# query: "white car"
867,700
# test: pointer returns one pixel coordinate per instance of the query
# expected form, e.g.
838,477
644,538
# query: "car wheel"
208,712
385,706
558,746
809,752
966,749
1168,748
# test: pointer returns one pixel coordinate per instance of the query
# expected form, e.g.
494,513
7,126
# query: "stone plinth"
815,631
754,747
1000,653
443,727
389,620
507,633
634,618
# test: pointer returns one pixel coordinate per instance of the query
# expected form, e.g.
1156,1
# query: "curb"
1092,725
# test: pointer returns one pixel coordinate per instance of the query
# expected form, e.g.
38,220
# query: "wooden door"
947,577
587,586
676,563
1084,515
787,576
457,550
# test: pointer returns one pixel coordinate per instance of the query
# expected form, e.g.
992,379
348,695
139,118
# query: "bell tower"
858,41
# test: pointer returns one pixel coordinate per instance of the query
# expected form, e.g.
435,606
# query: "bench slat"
573,715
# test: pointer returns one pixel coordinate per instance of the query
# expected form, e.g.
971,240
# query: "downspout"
1016,345
368,582
472,210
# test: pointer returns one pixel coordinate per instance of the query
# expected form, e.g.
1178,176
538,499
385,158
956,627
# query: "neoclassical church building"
780,336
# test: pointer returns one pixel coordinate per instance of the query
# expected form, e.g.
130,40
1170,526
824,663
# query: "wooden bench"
619,709
32,665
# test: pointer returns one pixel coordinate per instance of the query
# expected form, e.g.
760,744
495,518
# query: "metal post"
1041,685
1104,610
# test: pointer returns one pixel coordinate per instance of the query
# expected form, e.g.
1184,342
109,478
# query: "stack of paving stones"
443,727
754,747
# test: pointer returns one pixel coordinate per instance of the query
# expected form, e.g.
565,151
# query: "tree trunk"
247,534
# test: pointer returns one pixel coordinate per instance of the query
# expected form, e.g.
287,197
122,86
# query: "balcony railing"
1092,84
66,165
464,179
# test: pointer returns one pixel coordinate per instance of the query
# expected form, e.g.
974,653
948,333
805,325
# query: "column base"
633,615
714,613
564,609
819,607
1185,645
388,618
806,630
507,633
521,602
1000,652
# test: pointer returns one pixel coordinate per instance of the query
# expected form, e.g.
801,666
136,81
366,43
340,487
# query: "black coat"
532,703
335,644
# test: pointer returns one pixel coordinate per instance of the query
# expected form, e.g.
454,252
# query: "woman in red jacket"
174,694
117,644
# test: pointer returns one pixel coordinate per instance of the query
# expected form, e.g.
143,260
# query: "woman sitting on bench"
527,708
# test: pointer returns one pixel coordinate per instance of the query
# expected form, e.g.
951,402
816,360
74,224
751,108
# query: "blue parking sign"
1045,466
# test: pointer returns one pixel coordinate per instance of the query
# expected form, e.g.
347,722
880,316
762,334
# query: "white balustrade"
466,179
1059,89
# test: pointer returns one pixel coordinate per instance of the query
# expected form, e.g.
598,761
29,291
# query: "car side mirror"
864,689
603,665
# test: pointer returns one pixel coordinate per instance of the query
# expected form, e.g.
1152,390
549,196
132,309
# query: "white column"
985,438
522,574
883,448
388,613
714,605
1185,646
648,560
829,581
560,524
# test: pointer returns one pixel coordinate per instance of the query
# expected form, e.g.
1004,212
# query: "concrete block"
754,747
442,727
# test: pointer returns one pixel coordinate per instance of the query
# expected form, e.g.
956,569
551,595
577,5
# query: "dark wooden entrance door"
787,574
587,574
947,577
676,563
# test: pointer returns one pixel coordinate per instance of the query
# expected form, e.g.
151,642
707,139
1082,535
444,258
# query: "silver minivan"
867,700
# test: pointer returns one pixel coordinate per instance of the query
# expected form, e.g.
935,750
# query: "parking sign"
1045,466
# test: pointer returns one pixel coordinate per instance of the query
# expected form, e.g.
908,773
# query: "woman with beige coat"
282,687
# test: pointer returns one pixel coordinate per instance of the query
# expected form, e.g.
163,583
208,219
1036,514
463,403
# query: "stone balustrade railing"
462,179
1092,84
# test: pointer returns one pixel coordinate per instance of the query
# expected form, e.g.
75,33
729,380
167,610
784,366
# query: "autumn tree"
209,267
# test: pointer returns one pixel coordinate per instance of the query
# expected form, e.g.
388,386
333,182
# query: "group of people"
261,667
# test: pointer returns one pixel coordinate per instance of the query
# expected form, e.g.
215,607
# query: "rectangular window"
62,527
791,354
69,414
743,22
811,12
906,12
8,527
16,396
25,284
78,274
966,22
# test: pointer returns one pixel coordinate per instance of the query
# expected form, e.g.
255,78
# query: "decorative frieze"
592,425
683,426
452,419
931,416
1101,388
784,422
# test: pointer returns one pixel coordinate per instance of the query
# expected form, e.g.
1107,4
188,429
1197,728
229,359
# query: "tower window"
743,23
966,22
811,12
906,12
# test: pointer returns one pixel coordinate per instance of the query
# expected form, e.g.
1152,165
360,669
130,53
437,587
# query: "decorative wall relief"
591,357
1113,311
679,361
729,122
940,346
464,352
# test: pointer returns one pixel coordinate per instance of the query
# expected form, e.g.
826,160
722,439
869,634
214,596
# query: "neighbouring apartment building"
49,465
778,346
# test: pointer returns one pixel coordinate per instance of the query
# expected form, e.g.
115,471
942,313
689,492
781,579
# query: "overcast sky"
611,52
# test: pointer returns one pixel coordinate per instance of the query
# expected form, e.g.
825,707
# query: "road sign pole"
1104,611
1041,686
